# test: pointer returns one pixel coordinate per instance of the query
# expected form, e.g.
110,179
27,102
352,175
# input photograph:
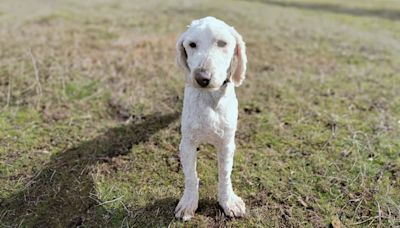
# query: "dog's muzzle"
202,77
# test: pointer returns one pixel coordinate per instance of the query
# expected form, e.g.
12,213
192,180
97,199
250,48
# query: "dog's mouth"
207,84
201,85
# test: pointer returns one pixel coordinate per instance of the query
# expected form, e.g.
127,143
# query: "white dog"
214,59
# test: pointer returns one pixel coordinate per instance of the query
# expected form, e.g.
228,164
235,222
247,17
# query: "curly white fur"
210,113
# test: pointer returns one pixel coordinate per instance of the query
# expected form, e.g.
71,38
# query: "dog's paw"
233,206
187,206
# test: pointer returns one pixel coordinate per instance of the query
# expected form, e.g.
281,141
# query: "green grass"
90,138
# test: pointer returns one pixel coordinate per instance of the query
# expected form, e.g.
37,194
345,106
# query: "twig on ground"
379,214
110,201
364,221
38,84
8,92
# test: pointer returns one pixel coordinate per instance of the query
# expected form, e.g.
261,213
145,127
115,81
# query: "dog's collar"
228,73
226,82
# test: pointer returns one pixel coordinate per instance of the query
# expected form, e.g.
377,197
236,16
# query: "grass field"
90,99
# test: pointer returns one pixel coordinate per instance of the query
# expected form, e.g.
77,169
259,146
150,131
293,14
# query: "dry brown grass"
87,137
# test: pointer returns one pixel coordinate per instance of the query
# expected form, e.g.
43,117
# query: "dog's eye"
221,43
192,44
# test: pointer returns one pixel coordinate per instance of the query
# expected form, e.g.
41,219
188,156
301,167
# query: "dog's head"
211,52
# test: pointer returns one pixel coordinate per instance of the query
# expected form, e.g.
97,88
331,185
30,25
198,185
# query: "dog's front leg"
189,201
232,204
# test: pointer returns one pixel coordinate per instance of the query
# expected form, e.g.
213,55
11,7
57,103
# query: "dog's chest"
208,119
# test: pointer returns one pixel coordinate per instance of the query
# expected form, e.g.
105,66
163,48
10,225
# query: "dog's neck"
214,97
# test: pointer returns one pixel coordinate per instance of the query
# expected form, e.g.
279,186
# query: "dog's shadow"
63,193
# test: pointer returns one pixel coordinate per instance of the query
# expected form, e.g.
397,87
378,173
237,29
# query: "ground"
90,99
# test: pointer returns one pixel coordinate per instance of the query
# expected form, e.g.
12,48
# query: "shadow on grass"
379,13
63,193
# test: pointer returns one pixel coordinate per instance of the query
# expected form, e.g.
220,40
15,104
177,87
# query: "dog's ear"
239,60
181,55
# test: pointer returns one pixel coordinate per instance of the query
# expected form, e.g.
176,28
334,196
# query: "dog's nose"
202,77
